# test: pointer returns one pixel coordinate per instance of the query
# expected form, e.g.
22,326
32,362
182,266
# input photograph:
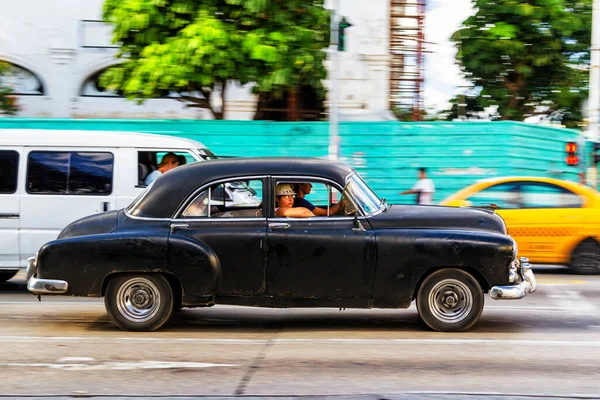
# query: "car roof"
173,187
78,138
481,184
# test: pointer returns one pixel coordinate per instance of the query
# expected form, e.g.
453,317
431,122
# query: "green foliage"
8,102
194,47
528,56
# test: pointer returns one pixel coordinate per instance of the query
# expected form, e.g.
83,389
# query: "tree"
8,102
195,48
528,57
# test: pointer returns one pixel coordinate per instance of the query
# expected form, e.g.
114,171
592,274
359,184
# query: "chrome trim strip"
47,286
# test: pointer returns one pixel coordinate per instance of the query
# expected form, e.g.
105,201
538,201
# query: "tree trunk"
292,105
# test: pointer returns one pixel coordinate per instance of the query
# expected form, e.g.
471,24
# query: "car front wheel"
139,302
450,300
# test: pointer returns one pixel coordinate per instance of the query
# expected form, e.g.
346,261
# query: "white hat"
284,189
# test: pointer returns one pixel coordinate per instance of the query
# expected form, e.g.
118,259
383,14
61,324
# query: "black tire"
450,300
7,275
139,302
585,259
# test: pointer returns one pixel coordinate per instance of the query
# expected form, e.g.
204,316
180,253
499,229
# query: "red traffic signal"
572,159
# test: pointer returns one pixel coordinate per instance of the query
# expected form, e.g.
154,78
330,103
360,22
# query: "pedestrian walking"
424,188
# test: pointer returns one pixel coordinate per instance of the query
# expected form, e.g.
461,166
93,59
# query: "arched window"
91,87
23,81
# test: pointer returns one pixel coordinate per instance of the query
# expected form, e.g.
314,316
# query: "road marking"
171,340
123,366
561,282
573,301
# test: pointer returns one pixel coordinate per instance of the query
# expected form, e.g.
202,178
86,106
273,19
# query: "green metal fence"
387,154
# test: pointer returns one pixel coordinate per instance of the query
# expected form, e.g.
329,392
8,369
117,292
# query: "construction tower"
407,37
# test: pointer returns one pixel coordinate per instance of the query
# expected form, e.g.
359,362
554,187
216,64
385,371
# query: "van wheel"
585,259
7,275
139,302
450,300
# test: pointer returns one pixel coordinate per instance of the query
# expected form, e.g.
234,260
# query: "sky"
442,75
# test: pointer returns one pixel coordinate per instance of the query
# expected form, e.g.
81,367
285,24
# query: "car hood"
105,222
439,217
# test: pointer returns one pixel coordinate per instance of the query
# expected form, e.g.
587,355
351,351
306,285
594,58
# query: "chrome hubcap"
450,301
138,299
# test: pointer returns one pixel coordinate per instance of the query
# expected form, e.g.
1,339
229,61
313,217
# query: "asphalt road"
546,345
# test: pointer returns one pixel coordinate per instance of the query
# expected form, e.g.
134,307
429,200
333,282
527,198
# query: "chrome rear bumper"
524,280
43,286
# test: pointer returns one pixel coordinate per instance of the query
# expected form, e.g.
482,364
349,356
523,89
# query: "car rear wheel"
139,302
450,300
6,275
586,258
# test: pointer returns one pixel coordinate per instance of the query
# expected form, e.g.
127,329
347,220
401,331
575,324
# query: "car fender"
197,266
406,256
86,261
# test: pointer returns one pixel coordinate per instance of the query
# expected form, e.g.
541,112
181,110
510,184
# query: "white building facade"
60,47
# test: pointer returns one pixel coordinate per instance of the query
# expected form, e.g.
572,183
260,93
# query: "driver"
302,189
284,197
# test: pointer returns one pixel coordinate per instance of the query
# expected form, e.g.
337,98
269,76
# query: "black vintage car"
187,242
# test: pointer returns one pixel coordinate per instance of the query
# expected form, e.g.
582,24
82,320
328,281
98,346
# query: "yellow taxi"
553,221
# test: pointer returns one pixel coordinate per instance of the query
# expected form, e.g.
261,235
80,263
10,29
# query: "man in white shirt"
168,162
424,188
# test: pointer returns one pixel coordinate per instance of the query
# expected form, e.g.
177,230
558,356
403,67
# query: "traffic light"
572,158
342,25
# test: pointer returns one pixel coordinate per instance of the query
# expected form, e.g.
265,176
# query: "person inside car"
168,162
284,197
302,189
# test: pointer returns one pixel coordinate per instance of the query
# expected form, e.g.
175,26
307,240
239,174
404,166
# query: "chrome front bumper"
522,277
43,286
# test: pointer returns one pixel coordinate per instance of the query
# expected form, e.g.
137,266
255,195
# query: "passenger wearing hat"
284,197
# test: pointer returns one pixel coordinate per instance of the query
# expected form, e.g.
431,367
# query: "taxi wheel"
139,302
586,258
450,300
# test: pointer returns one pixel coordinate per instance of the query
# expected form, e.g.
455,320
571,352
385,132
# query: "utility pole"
334,74
594,93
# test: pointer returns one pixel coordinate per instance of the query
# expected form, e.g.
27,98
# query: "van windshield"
206,154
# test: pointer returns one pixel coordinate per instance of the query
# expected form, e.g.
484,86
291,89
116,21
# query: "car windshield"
130,208
357,190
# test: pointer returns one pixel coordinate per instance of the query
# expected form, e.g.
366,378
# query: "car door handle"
182,227
279,225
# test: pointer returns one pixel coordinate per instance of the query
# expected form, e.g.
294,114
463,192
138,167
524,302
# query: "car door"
62,186
9,208
235,231
319,257
551,218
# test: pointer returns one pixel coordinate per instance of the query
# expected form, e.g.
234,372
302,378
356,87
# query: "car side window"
322,199
504,196
9,168
233,199
545,195
70,173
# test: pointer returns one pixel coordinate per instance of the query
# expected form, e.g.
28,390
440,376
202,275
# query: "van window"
9,166
149,161
72,173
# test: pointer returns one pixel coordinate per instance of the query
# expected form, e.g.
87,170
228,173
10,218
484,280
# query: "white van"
50,178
